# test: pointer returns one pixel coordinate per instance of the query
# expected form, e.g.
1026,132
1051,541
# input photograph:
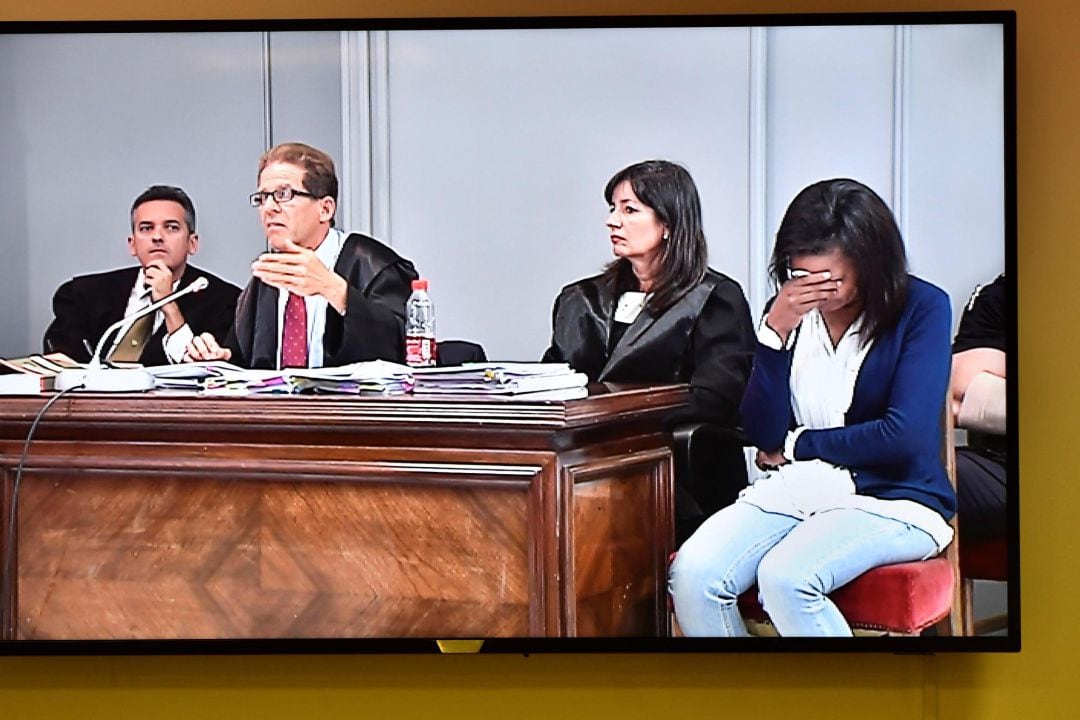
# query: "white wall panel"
501,143
956,225
305,91
491,148
89,122
830,111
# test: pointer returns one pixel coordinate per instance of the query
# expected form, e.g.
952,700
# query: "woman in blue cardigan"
844,404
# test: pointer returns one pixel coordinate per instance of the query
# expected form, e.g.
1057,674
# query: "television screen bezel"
1009,642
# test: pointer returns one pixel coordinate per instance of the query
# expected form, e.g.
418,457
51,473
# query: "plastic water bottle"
419,327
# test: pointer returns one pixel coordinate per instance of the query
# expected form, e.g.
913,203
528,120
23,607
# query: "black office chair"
456,352
710,472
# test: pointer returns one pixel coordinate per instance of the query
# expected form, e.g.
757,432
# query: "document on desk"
495,378
190,375
376,377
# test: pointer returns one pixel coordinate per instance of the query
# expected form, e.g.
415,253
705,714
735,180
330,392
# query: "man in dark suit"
319,297
162,238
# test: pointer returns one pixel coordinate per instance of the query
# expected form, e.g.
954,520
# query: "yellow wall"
660,686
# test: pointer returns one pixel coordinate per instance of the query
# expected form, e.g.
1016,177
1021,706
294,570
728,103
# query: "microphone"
198,284
99,378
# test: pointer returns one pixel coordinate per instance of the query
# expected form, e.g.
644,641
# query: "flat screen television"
480,150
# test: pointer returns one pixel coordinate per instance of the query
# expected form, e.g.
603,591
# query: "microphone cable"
6,582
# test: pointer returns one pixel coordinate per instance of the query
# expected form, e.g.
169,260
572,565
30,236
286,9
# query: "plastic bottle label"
419,351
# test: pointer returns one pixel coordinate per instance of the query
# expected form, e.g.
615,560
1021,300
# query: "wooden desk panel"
172,557
167,517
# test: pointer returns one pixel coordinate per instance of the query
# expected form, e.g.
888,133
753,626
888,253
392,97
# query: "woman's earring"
665,237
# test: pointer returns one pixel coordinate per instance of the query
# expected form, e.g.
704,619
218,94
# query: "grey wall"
955,160
90,123
500,144
500,148
482,155
917,114
305,90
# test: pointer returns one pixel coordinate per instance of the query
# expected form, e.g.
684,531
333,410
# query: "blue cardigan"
892,433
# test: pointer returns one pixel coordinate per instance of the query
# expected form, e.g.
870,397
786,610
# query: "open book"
33,374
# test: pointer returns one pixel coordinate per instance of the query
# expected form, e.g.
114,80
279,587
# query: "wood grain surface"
177,517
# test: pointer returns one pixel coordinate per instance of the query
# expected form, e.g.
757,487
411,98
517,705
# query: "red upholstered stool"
904,598
901,599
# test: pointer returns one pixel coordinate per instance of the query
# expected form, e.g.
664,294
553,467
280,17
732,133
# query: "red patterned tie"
294,334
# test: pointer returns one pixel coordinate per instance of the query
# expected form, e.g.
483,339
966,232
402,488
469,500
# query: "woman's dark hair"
669,191
846,215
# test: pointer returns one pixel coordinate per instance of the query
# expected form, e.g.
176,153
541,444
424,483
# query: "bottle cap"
419,284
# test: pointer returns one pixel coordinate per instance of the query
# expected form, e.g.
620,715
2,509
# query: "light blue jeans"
796,564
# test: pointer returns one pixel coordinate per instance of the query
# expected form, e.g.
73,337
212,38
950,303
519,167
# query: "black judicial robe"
85,306
373,326
706,338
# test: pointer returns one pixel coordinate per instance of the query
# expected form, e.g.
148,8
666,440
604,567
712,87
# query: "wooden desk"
171,516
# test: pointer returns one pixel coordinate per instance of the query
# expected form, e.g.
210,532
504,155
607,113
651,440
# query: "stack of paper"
498,378
247,382
377,377
191,375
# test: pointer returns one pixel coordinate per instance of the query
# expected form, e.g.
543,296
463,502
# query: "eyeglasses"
281,195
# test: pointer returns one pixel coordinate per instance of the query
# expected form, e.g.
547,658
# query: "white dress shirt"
317,306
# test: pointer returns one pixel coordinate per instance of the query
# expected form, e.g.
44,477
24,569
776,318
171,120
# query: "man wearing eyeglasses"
162,239
319,297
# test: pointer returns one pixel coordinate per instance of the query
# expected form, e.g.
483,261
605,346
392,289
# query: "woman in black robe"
658,313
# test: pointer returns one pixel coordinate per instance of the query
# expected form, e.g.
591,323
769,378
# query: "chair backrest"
456,352
709,472
959,610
